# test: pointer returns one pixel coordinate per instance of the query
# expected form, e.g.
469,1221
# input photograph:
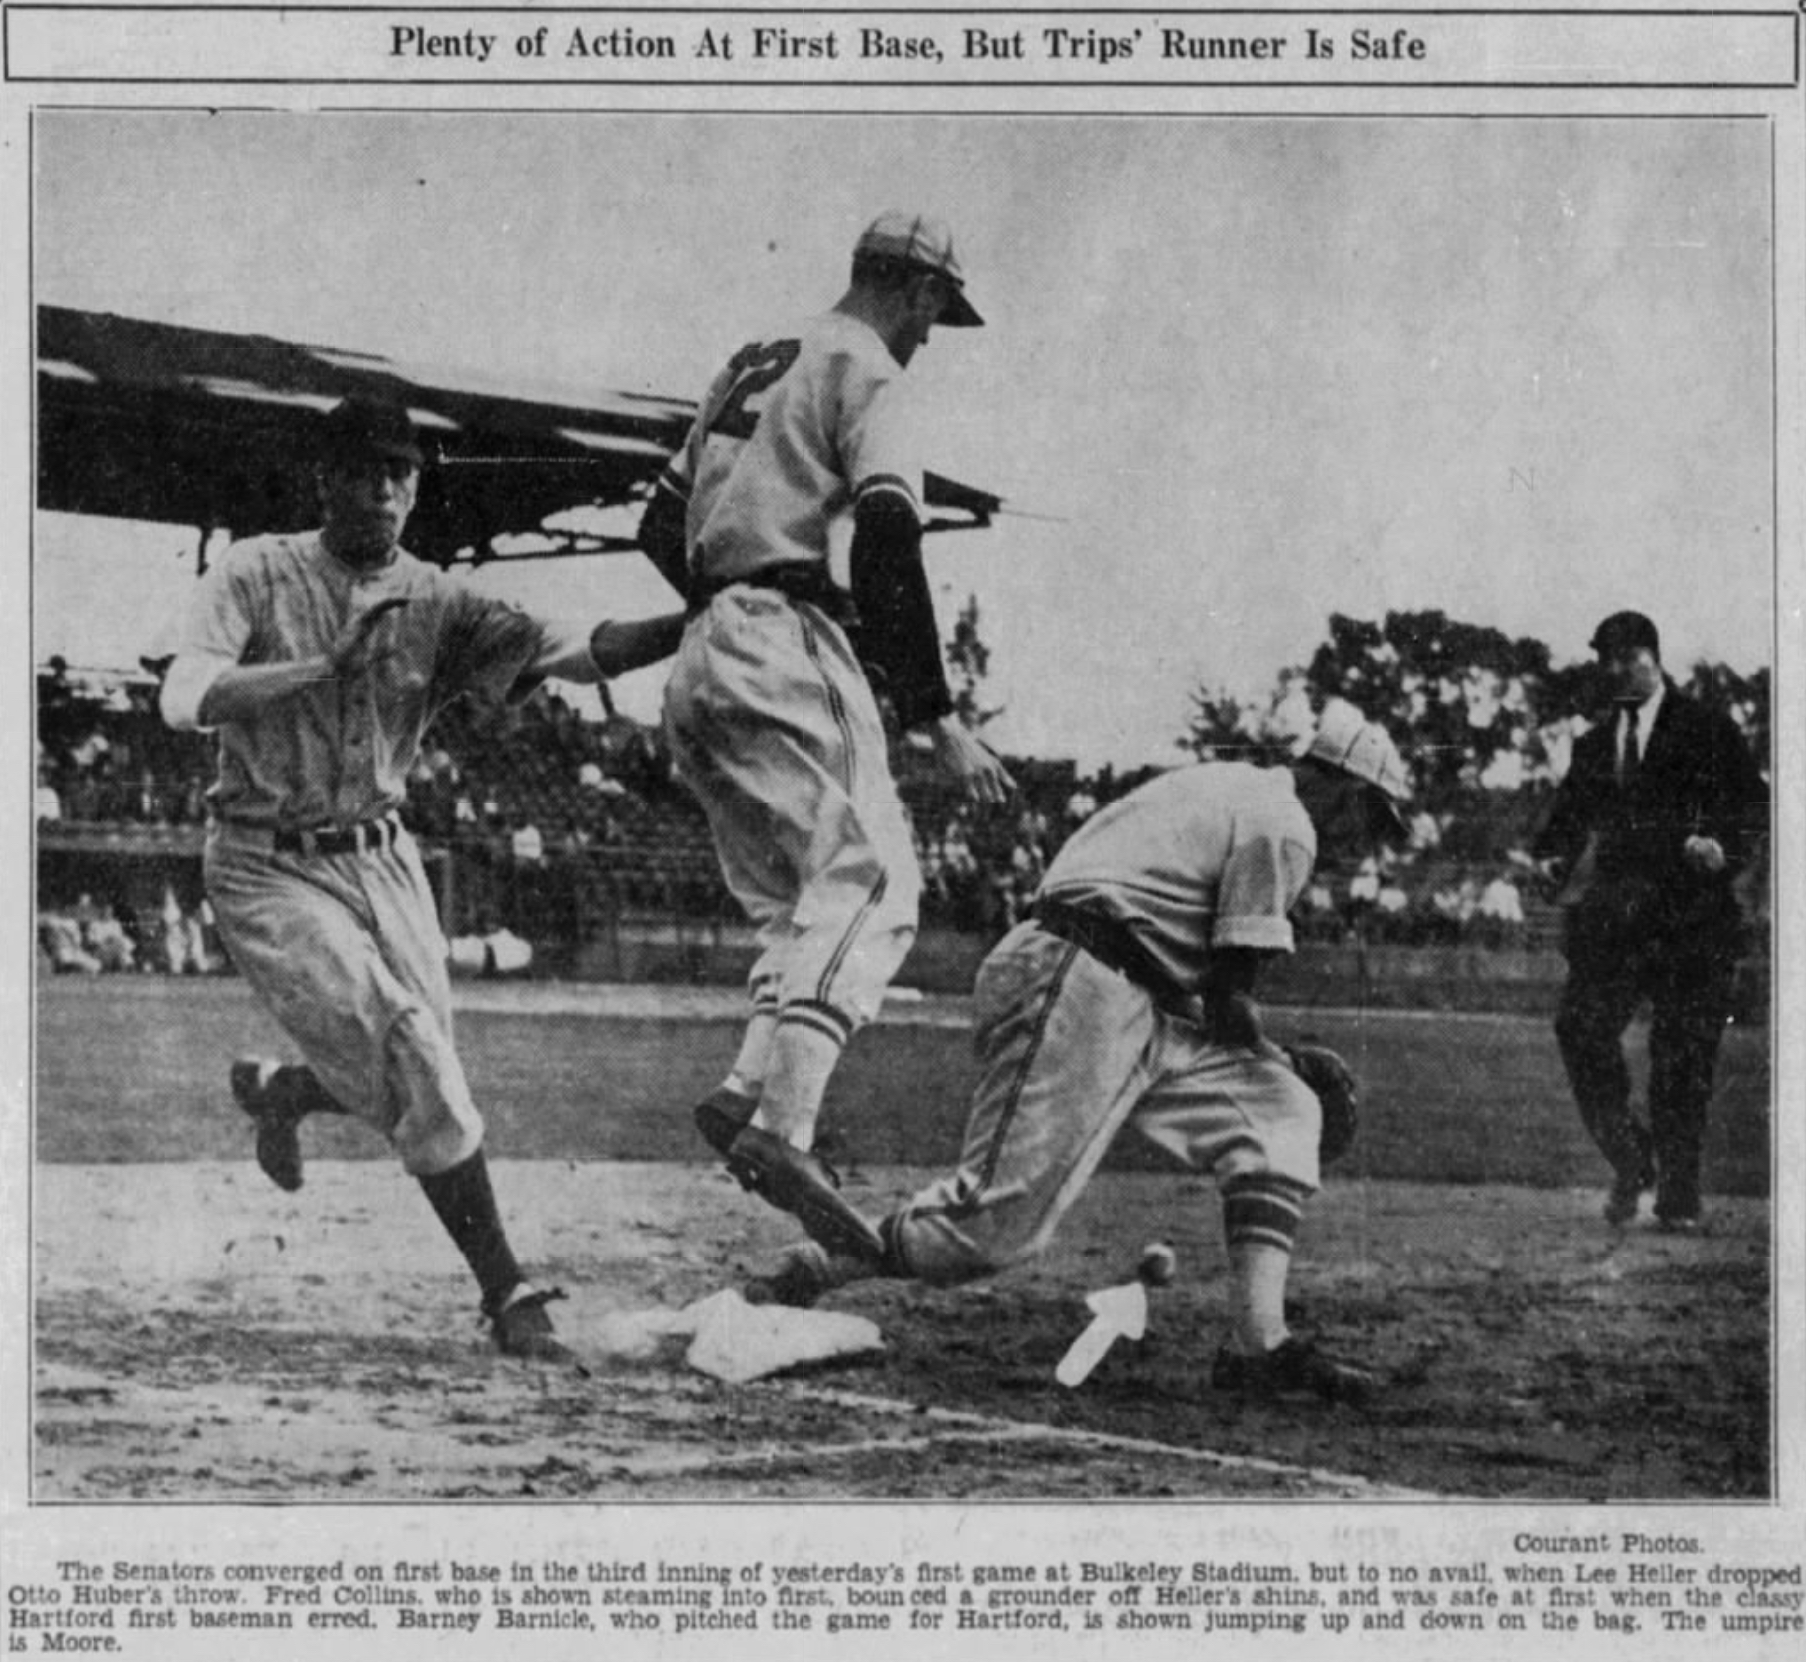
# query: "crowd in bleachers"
105,755
552,825
95,937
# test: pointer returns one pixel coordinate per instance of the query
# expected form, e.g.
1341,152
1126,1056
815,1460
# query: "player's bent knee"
435,1124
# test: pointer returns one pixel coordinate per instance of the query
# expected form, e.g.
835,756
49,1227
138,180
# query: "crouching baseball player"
1127,998
320,658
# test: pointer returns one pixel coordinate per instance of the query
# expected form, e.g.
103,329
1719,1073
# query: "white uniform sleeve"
215,634
1261,882
879,435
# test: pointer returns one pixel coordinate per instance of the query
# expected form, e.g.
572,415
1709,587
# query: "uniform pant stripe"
869,905
1031,1051
836,705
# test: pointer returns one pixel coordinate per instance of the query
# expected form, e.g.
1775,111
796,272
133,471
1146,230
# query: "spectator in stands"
527,844
1080,806
105,938
173,945
1426,832
61,937
1317,918
203,939
1024,877
1501,911
82,798
90,753
47,805
1391,907
507,953
1363,894
965,885
933,862
195,806
1448,917
148,802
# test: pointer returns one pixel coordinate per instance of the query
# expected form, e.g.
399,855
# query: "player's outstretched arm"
620,647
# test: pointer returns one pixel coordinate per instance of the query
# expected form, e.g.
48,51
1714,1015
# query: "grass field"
198,1335
134,1069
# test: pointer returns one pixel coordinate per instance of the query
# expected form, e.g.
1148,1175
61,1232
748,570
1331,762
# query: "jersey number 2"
756,369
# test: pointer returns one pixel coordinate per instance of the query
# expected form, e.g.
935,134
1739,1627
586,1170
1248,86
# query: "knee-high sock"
1260,1221
747,1076
805,1048
465,1203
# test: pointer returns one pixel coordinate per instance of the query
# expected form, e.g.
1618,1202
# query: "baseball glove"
1333,1083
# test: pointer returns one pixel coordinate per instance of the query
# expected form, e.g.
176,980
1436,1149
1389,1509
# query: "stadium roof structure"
185,426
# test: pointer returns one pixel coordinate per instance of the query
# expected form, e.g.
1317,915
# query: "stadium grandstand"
569,833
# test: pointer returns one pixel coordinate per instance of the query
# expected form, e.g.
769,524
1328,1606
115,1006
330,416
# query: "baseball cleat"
722,1115
799,1279
278,1134
523,1330
1293,1368
799,1183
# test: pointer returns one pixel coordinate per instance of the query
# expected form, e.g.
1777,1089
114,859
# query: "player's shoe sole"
798,1183
722,1115
278,1133
1293,1369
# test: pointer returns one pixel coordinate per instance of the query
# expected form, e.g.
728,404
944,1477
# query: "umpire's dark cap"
1625,632
360,429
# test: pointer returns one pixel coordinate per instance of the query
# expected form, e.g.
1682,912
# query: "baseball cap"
1624,632
917,240
359,428
1345,739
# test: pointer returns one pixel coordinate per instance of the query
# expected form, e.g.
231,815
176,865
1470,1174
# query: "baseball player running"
769,713
320,658
1127,998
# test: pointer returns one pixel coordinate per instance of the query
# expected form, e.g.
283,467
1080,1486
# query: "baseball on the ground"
1158,1262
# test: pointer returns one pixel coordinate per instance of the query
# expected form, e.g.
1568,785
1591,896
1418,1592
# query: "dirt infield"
198,1335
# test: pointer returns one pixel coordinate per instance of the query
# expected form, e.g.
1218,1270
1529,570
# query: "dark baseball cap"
927,244
362,429
1624,632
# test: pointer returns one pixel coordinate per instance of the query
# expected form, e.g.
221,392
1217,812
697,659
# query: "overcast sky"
1257,370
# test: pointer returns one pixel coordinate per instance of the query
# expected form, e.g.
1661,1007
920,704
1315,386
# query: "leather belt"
1114,946
370,837
795,580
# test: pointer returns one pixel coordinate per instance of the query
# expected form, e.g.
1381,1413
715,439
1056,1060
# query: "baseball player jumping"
1127,998
769,713
320,658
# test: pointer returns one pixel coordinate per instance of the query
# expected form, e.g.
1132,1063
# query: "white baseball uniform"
318,889
1076,1040
770,718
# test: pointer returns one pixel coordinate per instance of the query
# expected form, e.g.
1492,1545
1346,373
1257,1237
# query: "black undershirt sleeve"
661,538
899,639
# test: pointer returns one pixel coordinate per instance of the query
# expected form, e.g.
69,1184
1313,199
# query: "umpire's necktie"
1627,764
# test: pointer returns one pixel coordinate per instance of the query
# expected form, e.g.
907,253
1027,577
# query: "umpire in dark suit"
1659,811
